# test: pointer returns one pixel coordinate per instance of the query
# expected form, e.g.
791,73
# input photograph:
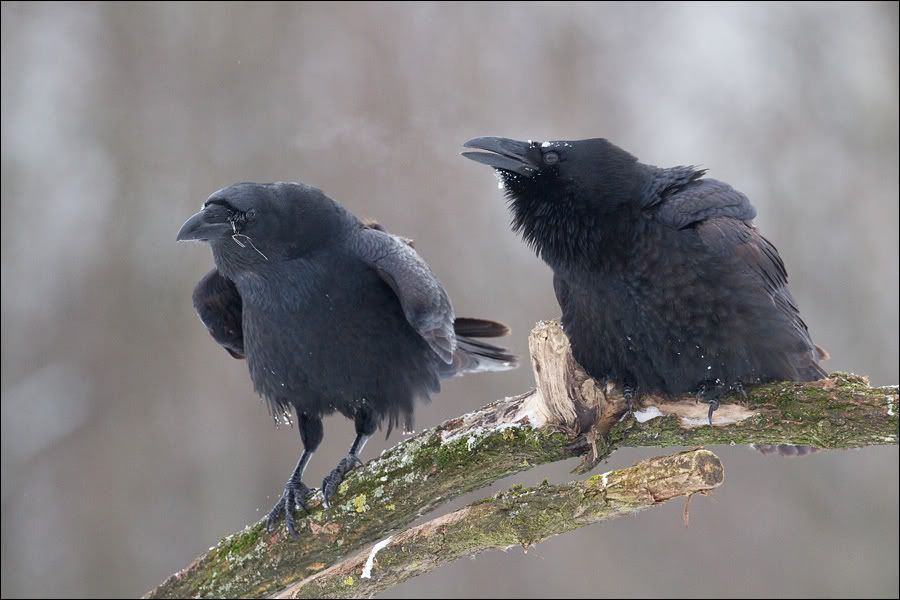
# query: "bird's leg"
293,497
630,392
710,392
366,423
713,407
347,464
295,491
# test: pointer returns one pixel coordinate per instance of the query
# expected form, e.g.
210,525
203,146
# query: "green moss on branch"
519,517
842,411
514,434
407,481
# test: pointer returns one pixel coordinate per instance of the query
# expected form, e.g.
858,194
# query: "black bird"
332,314
665,285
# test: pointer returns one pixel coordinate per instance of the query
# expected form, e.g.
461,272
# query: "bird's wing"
701,200
721,217
218,304
424,301
744,249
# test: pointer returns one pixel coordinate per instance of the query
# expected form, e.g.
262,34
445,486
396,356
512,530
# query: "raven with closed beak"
331,314
665,285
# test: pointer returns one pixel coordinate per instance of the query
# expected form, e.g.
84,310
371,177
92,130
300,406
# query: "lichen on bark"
566,415
519,517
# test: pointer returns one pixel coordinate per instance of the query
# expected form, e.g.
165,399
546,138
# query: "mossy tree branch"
519,517
567,415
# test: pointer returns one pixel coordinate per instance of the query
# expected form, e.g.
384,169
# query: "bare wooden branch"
518,517
841,411
568,414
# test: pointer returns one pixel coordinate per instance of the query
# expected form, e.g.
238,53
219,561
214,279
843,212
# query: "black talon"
293,497
365,426
273,515
711,392
630,392
334,479
713,405
295,491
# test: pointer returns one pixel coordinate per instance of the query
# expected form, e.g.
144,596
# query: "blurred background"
131,442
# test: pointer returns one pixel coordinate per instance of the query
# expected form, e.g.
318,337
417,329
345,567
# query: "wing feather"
218,304
421,295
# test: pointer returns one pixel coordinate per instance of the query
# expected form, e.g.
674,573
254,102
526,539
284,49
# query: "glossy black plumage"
664,283
331,313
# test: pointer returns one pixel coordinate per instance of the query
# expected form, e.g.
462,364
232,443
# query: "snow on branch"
568,414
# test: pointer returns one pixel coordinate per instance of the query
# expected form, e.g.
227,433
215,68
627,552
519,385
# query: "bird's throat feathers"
567,225
562,230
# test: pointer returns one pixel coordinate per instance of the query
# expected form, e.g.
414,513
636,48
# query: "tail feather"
473,356
479,328
488,352
811,372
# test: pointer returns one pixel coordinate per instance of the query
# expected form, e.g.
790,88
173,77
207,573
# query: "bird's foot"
333,480
713,406
710,393
630,393
293,498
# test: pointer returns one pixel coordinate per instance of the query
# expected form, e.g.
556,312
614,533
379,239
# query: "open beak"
523,158
199,229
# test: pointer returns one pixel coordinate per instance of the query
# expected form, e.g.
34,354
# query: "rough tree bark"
567,414
519,517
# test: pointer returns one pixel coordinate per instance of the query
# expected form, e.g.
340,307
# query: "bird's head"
560,191
250,225
594,172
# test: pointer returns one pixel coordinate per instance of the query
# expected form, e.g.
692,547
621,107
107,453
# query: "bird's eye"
250,214
551,158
